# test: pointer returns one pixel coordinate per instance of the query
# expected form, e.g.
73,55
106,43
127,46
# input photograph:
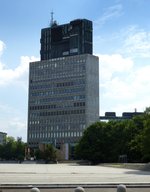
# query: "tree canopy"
48,154
107,141
12,149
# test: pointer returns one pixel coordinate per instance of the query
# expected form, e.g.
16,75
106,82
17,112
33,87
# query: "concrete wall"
92,89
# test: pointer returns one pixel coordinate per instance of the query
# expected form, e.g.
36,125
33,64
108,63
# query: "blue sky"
121,39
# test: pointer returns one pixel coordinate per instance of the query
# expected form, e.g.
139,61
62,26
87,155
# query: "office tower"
63,87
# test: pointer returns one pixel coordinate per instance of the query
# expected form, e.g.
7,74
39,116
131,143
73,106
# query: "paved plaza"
67,174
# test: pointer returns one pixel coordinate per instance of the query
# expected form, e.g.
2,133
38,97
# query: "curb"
64,186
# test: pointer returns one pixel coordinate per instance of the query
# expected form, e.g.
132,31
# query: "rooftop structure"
74,38
125,115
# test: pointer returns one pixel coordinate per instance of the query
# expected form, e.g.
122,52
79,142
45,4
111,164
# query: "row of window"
61,84
53,120
52,123
69,112
55,77
79,104
58,91
55,135
60,65
42,107
53,99
62,105
69,69
58,128
65,84
47,50
53,80
53,73
36,114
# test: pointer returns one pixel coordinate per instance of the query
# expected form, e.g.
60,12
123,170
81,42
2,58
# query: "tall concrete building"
63,86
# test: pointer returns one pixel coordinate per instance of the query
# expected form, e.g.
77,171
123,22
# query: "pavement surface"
69,174
65,177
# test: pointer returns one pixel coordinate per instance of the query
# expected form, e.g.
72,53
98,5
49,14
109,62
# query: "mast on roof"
52,19
53,22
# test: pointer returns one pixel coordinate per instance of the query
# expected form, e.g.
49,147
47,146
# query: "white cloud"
13,107
20,127
119,90
9,76
19,74
123,86
137,42
15,127
110,64
124,77
2,47
130,41
110,13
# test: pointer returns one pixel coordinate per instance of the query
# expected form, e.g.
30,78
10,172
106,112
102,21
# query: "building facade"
2,138
63,97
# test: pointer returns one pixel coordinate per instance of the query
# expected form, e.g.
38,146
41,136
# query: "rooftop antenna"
53,22
52,19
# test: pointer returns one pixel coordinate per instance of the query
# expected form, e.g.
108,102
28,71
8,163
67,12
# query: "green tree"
147,110
48,154
9,148
105,142
93,145
136,143
1,152
119,132
39,154
146,139
12,150
19,149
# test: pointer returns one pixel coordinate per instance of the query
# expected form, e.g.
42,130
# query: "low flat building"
125,115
